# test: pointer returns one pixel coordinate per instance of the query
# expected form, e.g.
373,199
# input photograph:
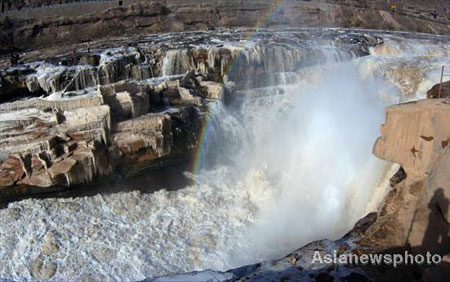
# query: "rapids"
280,166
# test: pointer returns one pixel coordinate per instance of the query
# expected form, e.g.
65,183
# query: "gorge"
224,140
278,124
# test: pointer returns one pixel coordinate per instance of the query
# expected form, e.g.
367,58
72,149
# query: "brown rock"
11,171
181,96
43,269
413,134
38,175
60,171
416,212
50,26
39,151
398,177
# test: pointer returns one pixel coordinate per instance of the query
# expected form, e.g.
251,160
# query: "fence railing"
442,79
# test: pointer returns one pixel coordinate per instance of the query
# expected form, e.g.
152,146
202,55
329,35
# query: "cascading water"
304,158
283,165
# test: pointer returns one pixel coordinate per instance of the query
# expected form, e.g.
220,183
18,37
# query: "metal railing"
442,79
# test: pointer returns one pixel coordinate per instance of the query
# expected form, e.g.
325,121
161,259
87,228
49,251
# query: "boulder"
82,165
11,171
39,175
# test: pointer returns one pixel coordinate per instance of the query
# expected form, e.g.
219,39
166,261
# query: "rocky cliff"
416,215
52,26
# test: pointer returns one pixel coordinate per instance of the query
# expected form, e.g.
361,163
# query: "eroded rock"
72,138
424,126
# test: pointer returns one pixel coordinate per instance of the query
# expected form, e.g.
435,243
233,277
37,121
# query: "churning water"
285,165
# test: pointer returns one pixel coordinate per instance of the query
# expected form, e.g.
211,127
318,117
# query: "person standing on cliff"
15,57
434,14
74,56
393,7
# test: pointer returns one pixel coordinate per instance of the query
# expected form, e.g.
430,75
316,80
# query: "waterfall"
301,156
284,164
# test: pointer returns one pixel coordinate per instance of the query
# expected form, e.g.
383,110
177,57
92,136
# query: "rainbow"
205,132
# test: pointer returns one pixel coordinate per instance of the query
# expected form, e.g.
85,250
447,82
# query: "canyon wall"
433,9
61,24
